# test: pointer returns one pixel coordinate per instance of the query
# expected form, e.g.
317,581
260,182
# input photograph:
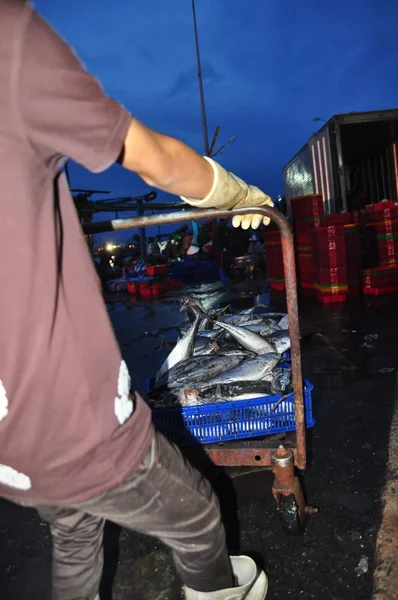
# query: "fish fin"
252,314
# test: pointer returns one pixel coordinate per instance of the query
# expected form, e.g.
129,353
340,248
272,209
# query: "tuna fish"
181,351
251,369
222,393
248,339
198,369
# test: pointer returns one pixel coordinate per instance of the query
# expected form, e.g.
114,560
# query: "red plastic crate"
369,208
340,219
373,210
146,292
305,226
304,240
133,288
144,285
375,291
307,206
307,285
331,276
336,298
156,270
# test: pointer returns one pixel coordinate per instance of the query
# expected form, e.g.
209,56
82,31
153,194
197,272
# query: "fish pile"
224,356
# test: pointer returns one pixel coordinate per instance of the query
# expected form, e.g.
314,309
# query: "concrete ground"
386,572
349,354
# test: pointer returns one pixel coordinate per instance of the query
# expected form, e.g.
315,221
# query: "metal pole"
201,92
216,249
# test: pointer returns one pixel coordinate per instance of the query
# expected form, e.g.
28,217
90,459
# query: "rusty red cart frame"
263,451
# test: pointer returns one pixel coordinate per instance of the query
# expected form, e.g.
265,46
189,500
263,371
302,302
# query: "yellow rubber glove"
229,192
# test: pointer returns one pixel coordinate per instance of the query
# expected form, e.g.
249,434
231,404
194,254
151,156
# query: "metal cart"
264,451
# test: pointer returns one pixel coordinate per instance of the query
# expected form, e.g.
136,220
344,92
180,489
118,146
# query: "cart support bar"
289,266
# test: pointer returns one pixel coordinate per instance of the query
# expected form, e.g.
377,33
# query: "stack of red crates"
382,232
381,225
305,260
337,262
273,253
307,213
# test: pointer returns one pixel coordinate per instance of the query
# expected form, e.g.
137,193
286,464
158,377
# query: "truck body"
352,161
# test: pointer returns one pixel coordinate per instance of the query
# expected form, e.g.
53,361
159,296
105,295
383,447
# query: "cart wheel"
291,521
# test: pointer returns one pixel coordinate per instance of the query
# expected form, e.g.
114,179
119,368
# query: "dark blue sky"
269,68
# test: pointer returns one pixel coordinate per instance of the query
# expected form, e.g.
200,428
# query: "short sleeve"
63,108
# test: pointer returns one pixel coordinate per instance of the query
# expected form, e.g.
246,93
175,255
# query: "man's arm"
166,163
172,166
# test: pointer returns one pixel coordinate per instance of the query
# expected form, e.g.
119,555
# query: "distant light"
110,247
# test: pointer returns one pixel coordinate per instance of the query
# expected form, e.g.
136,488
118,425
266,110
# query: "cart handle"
289,267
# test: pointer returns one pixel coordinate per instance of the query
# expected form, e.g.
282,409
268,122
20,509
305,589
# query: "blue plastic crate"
209,423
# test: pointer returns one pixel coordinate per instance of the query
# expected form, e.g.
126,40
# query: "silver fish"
248,339
182,350
261,328
233,351
234,319
198,369
204,348
251,369
246,311
222,393
209,334
281,340
194,308
284,322
251,325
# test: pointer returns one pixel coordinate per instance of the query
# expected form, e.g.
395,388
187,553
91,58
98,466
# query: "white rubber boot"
252,583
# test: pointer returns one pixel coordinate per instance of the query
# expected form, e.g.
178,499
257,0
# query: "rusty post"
289,266
285,482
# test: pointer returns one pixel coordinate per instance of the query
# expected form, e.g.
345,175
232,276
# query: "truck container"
351,161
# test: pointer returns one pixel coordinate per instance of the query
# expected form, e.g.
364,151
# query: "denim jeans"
166,498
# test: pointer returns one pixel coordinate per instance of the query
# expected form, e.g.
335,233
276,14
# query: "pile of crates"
381,234
337,262
334,252
273,253
307,214
154,284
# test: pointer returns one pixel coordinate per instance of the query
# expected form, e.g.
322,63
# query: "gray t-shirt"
69,426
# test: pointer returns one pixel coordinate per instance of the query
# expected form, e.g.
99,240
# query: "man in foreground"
75,441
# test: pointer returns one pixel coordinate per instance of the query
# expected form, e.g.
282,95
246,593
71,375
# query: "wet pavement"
349,354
